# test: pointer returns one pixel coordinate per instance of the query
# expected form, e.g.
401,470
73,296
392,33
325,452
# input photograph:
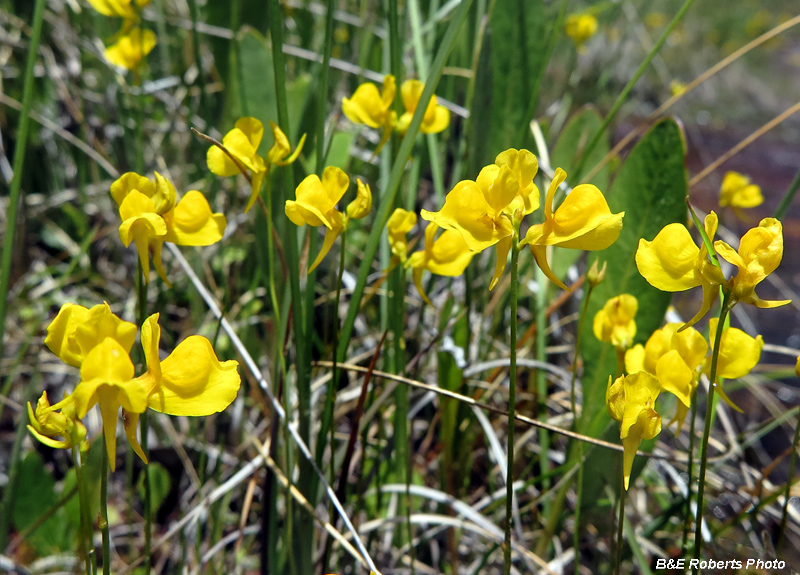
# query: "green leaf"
651,189
511,59
160,484
255,87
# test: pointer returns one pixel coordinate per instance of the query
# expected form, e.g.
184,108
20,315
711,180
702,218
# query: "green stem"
620,525
727,304
87,547
16,180
780,212
141,289
687,523
324,72
104,529
627,89
512,399
789,481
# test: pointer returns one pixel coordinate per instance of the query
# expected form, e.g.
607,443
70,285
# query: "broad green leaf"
511,59
160,483
255,82
651,189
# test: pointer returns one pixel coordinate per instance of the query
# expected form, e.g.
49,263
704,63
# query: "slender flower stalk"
104,528
512,398
87,548
712,384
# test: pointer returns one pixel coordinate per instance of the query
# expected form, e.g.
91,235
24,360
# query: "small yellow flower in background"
738,192
190,381
372,108
488,211
46,423
615,323
583,221
436,117
126,9
631,400
400,223
580,27
675,358
150,216
129,50
241,144
739,353
316,206
760,252
448,255
673,262
677,88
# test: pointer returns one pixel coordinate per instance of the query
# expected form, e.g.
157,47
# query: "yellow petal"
614,323
668,262
164,196
582,211
615,398
524,165
640,391
131,48
130,421
107,364
647,426
400,223
540,255
739,353
690,344
737,191
450,254
558,178
503,247
61,333
151,340
362,205
114,8
417,277
100,323
366,106
675,376
194,381
253,130
128,182
438,121
410,92
330,237
192,223
499,186
634,359
220,163
240,145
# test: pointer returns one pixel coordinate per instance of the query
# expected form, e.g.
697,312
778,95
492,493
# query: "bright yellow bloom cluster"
580,27
448,255
739,192
238,153
372,108
488,212
673,262
133,43
631,401
151,216
315,205
190,381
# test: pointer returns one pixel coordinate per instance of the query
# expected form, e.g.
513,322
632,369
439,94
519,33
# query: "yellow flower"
316,206
583,221
399,224
760,253
373,108
119,8
615,323
739,353
675,358
47,423
580,27
738,192
75,331
488,211
448,256
280,154
150,217
673,262
630,400
190,381
677,88
129,50
242,144
436,117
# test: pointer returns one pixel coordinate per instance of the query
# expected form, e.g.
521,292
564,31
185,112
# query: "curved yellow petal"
330,237
128,182
253,130
107,364
361,206
438,121
164,196
192,223
524,165
675,376
499,186
130,49
634,358
450,254
668,262
130,421
194,381
220,164
739,352
60,337
400,223
114,8
647,426
540,255
100,323
583,210
366,106
502,249
416,274
335,182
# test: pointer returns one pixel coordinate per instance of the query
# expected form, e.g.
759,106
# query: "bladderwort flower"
190,381
46,423
436,118
372,108
126,9
488,211
400,223
238,153
150,216
631,401
583,221
673,262
759,254
739,192
739,353
580,27
675,358
315,205
448,255
131,48
615,323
